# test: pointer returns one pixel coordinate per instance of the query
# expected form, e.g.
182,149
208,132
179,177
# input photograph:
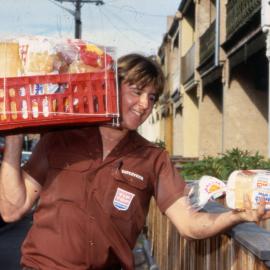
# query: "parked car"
25,156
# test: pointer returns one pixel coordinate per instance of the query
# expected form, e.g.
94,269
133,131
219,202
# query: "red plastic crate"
82,98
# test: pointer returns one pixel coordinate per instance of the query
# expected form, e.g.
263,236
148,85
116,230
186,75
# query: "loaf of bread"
10,61
252,183
39,56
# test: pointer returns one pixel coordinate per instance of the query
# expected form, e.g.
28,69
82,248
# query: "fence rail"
246,246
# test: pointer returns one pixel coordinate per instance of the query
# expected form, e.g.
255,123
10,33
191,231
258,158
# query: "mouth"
138,113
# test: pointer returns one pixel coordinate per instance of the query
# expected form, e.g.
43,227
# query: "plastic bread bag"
10,59
40,55
206,189
252,183
81,56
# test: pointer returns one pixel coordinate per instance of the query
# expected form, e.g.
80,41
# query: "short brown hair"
140,70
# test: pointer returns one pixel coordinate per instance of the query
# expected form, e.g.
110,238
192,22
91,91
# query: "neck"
112,133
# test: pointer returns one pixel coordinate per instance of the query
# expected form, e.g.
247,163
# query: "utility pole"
77,12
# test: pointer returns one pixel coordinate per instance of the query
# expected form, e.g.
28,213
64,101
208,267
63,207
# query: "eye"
152,98
135,90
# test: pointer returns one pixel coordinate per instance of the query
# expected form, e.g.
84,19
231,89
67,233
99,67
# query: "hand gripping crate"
80,98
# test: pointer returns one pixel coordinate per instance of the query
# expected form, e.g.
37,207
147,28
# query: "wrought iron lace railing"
239,12
188,64
207,43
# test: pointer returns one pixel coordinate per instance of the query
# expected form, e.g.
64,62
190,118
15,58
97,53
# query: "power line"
77,12
133,10
130,27
126,36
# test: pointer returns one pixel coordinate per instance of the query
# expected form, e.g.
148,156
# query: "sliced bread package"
252,183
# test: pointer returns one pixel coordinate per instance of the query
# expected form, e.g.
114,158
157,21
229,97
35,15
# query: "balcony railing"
207,43
239,12
188,65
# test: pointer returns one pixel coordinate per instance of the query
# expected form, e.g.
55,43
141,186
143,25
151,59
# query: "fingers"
247,201
266,215
252,214
262,212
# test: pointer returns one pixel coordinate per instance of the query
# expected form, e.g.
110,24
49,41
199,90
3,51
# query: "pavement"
12,236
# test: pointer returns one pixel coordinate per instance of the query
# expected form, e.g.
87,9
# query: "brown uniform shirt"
91,211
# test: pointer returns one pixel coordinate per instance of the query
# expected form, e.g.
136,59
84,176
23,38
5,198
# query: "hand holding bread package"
48,81
242,184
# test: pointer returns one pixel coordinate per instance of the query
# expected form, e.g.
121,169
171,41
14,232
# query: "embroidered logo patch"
122,199
132,174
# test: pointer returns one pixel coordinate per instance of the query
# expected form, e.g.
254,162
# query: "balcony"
239,12
188,65
207,43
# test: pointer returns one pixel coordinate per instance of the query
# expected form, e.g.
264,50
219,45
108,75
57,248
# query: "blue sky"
129,25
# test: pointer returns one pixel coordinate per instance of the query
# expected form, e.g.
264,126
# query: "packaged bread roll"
10,61
206,189
252,183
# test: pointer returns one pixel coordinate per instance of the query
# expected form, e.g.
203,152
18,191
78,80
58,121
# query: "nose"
144,102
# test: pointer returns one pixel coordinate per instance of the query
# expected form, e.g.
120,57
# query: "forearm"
206,225
199,225
12,186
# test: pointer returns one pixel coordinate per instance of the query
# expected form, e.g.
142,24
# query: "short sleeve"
37,165
170,185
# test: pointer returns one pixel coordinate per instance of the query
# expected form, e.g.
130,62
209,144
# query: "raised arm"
200,225
18,190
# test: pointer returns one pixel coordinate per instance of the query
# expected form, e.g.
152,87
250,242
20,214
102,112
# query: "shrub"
221,167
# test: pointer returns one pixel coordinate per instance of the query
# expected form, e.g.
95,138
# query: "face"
136,104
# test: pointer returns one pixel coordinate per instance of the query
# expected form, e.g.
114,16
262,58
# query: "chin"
129,127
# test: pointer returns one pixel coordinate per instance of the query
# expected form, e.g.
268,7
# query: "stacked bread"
40,55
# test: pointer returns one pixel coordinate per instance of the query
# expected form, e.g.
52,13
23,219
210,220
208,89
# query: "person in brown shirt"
95,183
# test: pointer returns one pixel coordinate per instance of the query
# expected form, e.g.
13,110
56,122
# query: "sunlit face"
136,104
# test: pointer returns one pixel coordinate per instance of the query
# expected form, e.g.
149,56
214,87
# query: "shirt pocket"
66,177
127,179
122,197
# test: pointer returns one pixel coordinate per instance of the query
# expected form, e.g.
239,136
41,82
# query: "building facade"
216,95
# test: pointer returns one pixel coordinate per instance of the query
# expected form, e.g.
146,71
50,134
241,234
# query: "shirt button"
91,243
